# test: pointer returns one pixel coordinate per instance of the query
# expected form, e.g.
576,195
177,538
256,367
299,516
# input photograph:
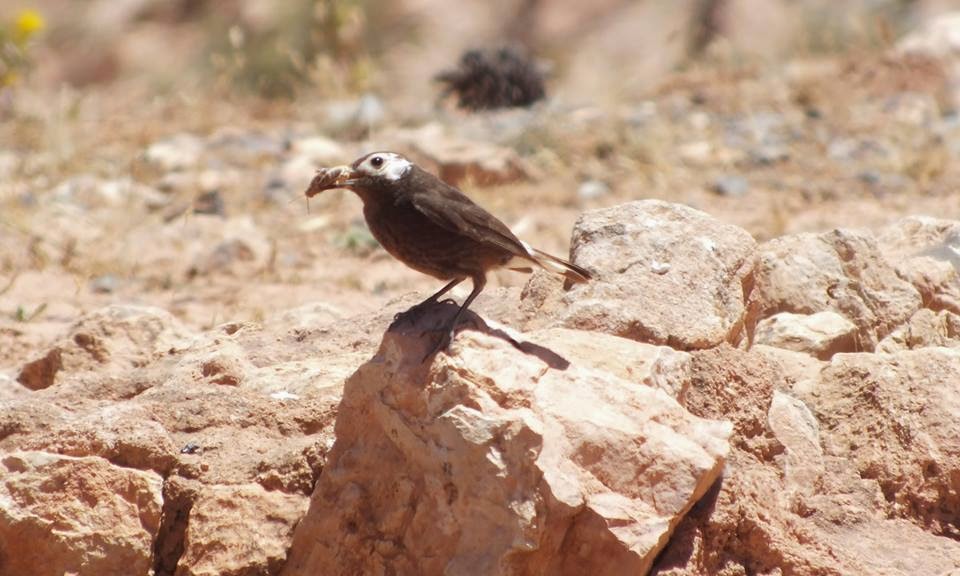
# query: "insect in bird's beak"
329,178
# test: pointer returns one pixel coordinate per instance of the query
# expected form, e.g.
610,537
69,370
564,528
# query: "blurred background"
156,151
596,51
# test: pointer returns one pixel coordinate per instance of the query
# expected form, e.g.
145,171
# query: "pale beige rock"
926,252
800,372
925,328
241,529
938,38
843,271
490,461
895,548
822,334
455,159
60,514
656,366
797,429
665,274
300,378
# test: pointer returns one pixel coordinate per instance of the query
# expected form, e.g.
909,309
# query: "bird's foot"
412,313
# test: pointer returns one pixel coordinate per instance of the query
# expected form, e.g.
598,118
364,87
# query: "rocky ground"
200,373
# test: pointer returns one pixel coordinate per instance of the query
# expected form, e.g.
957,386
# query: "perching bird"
435,228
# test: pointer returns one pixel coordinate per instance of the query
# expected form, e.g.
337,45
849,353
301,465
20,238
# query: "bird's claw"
413,312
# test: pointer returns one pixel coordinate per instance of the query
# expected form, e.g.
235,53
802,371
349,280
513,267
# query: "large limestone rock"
60,514
488,460
843,271
666,274
549,452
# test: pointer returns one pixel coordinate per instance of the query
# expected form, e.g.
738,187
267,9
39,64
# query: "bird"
435,228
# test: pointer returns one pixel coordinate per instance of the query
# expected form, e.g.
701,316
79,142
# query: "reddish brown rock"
240,529
789,501
40,373
488,460
60,514
892,420
138,394
730,383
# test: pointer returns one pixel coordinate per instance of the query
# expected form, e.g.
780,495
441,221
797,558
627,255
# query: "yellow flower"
28,23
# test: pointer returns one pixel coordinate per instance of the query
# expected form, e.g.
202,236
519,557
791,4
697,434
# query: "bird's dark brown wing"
452,209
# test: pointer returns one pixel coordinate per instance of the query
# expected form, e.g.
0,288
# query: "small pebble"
106,284
592,189
659,268
733,186
209,203
190,448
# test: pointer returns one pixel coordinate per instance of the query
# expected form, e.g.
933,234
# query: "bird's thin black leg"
442,291
447,335
413,312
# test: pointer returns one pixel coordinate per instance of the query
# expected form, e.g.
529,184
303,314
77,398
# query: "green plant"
21,314
330,43
357,240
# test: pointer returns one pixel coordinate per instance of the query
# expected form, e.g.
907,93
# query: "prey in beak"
330,178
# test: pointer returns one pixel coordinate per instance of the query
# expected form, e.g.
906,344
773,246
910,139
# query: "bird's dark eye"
376,161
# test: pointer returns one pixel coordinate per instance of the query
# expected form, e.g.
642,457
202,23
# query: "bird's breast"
414,239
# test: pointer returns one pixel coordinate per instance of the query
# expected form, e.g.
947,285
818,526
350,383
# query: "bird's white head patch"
389,165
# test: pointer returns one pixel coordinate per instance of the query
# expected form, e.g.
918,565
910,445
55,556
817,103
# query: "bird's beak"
329,178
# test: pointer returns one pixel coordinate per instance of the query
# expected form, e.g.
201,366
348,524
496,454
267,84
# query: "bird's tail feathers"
556,265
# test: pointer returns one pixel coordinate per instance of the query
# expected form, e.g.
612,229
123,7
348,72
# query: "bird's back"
450,208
